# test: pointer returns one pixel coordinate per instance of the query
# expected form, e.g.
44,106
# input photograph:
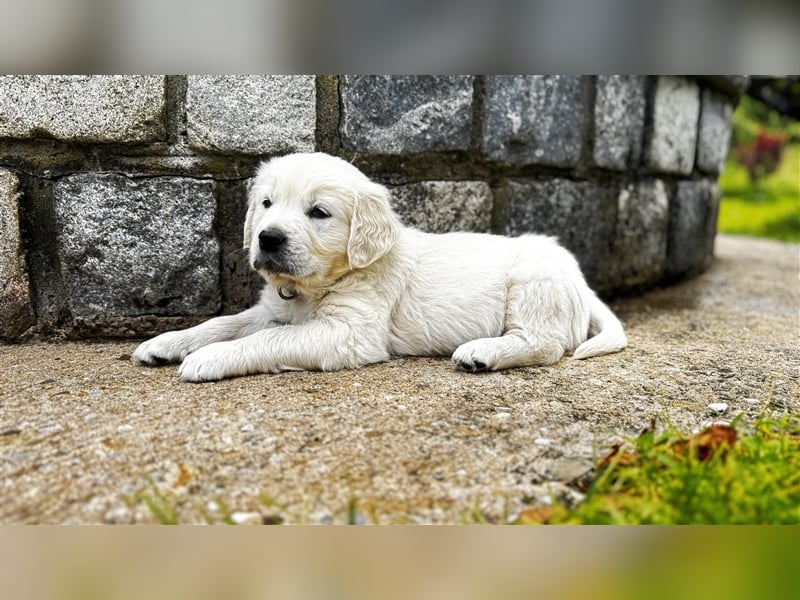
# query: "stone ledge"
16,313
693,222
83,108
406,115
619,114
639,246
137,246
534,120
252,114
441,206
676,109
733,86
715,132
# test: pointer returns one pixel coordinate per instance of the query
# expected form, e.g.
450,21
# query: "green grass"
668,479
161,507
771,208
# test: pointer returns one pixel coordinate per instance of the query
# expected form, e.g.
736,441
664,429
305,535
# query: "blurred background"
405,562
414,36
761,180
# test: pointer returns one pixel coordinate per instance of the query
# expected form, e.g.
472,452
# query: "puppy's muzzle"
271,241
274,254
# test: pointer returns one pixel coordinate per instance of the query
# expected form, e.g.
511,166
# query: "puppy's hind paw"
471,365
473,357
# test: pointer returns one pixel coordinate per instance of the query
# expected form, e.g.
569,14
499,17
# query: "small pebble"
49,429
119,514
718,407
247,518
542,441
751,401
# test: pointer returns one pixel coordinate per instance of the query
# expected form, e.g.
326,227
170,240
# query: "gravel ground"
409,441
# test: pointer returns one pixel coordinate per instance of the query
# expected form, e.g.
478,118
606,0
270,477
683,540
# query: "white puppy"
349,285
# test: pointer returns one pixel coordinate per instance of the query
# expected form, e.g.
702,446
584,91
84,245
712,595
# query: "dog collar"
287,296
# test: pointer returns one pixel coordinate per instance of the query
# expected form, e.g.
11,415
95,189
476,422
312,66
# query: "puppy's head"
312,218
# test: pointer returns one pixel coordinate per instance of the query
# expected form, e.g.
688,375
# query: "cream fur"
368,289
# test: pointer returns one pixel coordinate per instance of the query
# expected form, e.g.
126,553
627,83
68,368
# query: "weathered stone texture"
715,132
240,283
83,108
580,214
534,119
732,85
135,186
133,247
16,314
619,114
693,221
407,114
252,114
676,108
639,244
441,206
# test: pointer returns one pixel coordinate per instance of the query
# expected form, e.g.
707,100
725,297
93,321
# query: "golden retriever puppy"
348,285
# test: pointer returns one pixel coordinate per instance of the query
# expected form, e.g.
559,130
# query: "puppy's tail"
610,336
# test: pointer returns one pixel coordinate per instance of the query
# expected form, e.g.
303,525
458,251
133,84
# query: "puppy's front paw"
471,357
170,347
210,363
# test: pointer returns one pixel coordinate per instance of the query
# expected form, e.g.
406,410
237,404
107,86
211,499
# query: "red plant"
762,155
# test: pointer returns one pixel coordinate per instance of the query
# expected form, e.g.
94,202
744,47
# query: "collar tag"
287,296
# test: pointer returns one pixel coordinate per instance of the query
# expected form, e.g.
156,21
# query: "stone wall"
122,197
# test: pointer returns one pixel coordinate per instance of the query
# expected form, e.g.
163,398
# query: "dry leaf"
183,476
708,441
538,515
626,458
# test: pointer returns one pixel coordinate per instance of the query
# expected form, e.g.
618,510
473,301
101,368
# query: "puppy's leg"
174,346
542,321
324,345
513,349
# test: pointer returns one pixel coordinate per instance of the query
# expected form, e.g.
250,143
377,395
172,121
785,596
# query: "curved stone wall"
122,197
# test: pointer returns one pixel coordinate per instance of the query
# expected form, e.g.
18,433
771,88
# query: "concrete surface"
408,441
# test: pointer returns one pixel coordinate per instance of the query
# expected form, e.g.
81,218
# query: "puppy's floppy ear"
252,200
374,228
248,220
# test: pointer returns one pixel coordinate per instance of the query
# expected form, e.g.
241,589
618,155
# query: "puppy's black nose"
271,240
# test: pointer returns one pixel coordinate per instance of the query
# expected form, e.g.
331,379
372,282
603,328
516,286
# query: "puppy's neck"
290,289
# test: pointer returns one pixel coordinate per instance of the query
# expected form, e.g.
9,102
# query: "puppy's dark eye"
319,213
267,203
